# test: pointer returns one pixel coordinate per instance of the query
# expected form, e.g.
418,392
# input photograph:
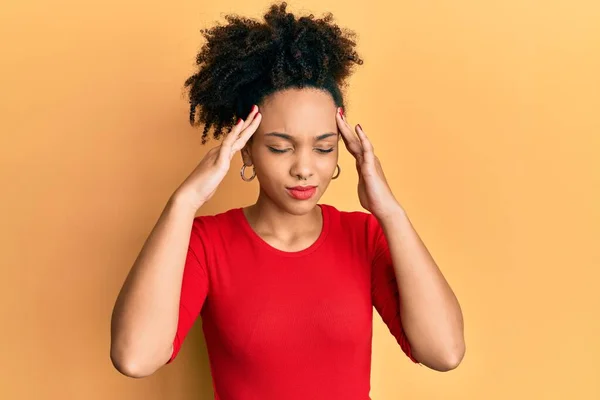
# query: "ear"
247,154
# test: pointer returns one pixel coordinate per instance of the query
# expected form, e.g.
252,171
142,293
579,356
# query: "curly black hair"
245,60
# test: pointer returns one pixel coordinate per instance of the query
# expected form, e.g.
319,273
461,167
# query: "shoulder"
359,228
352,221
211,224
222,217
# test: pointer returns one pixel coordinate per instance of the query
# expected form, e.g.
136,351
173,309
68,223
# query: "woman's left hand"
374,192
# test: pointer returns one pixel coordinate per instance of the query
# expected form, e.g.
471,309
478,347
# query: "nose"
302,167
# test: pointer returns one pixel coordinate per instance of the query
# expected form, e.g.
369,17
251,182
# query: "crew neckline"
263,244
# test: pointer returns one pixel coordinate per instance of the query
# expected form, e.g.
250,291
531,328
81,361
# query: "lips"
302,192
302,188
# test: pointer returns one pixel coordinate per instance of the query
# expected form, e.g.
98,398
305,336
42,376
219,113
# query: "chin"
298,207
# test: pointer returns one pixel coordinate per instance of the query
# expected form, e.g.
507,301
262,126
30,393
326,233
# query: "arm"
430,313
145,315
167,285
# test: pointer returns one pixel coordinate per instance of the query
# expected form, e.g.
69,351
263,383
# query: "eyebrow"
291,138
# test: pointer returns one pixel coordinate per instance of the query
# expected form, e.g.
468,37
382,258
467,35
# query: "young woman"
285,287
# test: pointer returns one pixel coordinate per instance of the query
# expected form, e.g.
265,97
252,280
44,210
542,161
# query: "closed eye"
274,150
279,151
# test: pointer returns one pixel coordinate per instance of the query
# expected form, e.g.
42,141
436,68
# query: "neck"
267,217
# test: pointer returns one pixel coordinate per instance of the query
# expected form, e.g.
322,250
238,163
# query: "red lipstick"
302,192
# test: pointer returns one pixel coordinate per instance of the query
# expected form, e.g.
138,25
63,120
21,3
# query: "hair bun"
246,60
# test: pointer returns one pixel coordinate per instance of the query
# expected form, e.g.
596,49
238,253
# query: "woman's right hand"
204,180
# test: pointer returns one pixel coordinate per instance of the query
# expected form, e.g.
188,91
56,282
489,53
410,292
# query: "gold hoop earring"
243,170
338,172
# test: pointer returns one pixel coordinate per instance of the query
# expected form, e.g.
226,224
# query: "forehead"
298,112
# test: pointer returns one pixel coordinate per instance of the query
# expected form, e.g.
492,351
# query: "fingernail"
341,111
360,127
255,115
254,108
238,121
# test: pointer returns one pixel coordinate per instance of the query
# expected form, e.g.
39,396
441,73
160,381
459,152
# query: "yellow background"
485,115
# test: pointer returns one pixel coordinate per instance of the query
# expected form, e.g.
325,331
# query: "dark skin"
307,154
296,143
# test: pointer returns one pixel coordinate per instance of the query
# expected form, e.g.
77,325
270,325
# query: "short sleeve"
384,288
194,286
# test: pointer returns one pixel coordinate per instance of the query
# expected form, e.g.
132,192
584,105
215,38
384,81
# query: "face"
296,145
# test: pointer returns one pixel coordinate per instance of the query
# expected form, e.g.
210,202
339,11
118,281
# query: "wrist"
182,200
391,214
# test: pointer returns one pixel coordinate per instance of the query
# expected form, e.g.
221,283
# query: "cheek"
326,163
269,165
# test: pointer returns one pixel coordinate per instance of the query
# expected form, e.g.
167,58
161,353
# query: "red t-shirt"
289,325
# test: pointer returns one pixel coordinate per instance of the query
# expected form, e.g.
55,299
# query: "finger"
233,133
350,139
247,133
367,146
238,128
250,117
349,130
346,121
